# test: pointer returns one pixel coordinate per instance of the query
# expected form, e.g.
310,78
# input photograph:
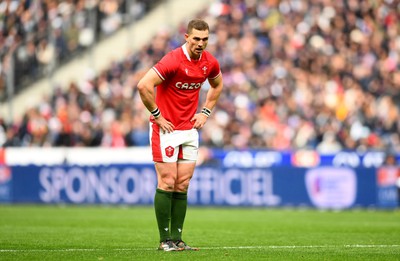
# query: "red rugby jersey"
177,96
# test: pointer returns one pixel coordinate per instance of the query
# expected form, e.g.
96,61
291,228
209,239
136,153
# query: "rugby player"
170,91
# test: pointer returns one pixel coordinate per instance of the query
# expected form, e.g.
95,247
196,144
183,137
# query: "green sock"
162,206
178,213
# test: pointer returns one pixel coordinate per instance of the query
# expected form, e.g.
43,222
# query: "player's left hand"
199,120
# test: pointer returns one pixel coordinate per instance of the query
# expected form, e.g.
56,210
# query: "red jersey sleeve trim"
212,78
159,74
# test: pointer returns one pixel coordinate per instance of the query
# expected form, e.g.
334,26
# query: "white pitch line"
204,248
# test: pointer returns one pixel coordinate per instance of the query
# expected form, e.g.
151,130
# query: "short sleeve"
215,69
167,66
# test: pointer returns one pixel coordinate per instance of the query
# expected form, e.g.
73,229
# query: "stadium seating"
297,74
39,36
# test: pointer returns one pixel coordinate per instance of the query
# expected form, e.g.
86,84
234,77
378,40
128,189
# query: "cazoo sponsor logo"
188,86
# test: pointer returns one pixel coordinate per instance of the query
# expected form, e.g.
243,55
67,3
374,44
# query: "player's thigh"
167,173
185,173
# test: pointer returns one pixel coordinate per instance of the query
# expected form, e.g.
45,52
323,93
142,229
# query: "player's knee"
168,183
182,186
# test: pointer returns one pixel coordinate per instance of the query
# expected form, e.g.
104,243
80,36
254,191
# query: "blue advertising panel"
116,184
321,187
301,158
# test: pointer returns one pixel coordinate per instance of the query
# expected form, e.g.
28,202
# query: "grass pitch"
30,232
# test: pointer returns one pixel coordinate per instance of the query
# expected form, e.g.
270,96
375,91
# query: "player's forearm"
213,96
211,102
147,96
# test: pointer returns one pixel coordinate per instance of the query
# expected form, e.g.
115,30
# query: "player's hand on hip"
199,120
164,125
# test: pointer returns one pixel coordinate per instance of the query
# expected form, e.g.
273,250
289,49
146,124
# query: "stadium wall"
232,178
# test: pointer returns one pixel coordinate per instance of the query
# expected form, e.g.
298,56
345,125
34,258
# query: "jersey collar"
187,54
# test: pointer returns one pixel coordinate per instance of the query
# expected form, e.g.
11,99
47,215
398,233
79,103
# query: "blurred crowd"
36,36
298,74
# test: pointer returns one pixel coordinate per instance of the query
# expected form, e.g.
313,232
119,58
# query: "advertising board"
325,188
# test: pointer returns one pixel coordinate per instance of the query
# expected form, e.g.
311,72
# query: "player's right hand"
165,126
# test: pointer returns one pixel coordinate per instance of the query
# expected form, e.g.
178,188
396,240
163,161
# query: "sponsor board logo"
247,159
331,188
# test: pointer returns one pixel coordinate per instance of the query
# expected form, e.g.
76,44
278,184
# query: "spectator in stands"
390,160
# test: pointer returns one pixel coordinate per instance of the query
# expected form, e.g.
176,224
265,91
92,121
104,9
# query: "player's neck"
191,55
194,57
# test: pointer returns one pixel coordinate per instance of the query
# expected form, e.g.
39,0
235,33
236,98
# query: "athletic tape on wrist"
206,111
156,113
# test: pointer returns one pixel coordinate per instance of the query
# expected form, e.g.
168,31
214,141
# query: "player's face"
196,42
